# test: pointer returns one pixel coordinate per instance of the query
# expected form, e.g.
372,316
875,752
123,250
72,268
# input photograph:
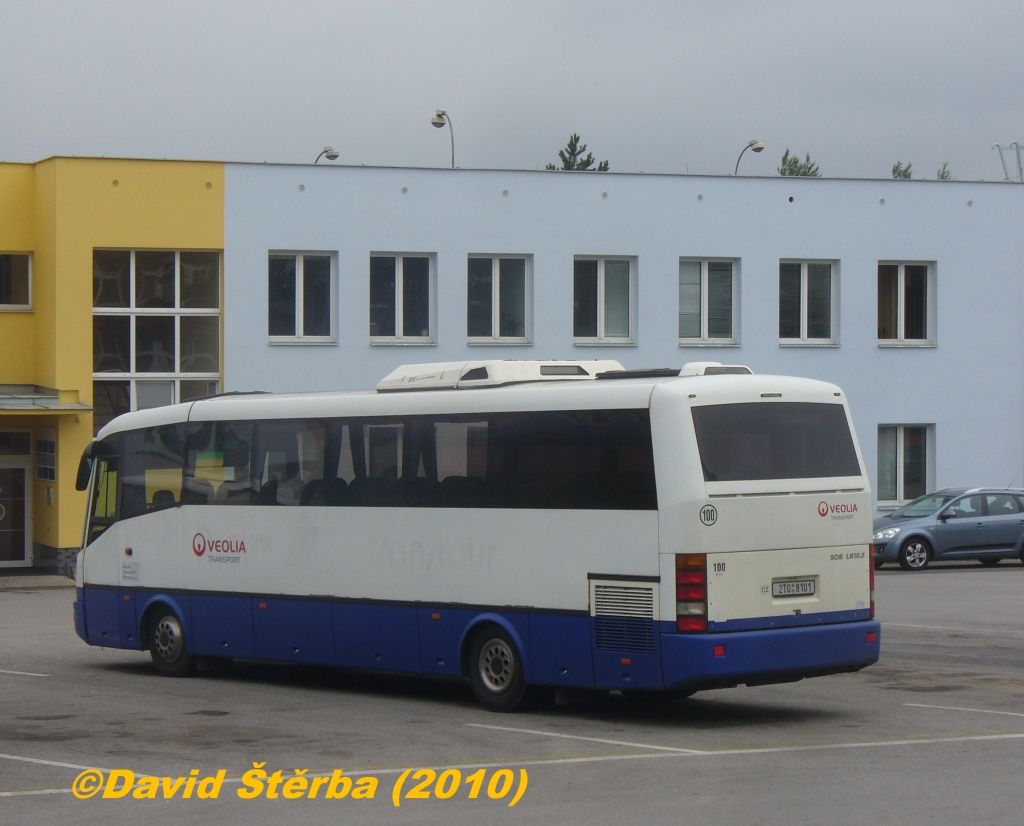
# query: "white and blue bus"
516,524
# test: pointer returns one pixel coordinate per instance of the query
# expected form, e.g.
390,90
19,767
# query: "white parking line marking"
23,673
647,746
662,752
49,762
959,708
960,629
769,749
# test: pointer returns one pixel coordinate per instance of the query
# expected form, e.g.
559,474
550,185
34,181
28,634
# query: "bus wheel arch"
493,662
165,636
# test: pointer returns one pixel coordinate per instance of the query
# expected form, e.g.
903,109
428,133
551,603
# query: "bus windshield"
774,440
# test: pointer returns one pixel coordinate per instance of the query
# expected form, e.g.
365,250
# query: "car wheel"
167,645
496,670
915,554
989,562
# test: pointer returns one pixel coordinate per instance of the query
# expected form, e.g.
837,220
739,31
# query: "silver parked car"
986,524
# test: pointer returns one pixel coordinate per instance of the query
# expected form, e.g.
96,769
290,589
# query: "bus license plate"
793,588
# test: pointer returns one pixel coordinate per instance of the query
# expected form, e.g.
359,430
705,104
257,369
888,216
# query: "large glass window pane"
316,295
584,299
197,389
153,394
154,344
888,302
887,463
512,298
616,299
111,278
915,302
109,400
819,301
479,297
382,296
154,279
111,337
281,298
914,462
689,299
719,299
200,344
416,297
200,280
14,279
789,301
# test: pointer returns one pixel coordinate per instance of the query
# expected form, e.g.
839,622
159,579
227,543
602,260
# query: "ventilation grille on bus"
623,615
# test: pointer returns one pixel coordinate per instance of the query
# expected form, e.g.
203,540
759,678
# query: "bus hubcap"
497,664
168,639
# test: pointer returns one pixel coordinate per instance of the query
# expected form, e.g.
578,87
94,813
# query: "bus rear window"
774,440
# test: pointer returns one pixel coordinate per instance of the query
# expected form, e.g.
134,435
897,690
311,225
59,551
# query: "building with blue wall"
909,294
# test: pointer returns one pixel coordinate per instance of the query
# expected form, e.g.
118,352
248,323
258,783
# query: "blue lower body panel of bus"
571,650
701,661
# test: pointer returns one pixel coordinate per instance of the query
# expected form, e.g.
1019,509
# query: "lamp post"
754,144
328,152
438,121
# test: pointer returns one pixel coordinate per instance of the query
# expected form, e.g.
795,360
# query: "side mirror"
945,515
84,471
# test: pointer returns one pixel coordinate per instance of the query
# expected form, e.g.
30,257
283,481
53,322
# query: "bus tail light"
691,593
871,578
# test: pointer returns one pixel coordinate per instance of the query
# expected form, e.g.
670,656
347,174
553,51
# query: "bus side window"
103,507
151,469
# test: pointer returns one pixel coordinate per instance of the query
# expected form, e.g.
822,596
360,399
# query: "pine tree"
792,165
573,159
901,170
944,174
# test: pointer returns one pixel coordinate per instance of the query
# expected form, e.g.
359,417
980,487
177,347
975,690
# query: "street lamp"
328,152
440,118
754,144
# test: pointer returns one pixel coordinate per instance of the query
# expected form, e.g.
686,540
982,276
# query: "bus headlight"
887,534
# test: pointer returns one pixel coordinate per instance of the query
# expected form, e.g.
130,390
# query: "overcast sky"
651,85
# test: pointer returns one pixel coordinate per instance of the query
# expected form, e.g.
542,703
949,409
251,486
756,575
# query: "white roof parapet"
462,375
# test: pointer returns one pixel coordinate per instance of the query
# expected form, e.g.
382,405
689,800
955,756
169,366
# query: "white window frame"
601,339
20,307
496,338
929,459
805,340
176,377
46,460
705,339
929,300
300,337
398,338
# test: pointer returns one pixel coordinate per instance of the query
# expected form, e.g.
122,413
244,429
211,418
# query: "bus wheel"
914,555
167,645
496,670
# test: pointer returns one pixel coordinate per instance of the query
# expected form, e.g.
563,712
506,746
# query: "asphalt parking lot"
934,733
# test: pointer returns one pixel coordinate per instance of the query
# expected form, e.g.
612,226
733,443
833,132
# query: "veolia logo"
199,544
841,511
708,515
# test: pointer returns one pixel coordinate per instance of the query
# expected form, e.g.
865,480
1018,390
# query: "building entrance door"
15,513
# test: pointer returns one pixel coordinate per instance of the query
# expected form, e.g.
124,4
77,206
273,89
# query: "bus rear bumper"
695,662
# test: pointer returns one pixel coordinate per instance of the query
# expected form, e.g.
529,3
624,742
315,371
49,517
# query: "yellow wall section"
17,234
60,210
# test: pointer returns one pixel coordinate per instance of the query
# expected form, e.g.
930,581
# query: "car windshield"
923,506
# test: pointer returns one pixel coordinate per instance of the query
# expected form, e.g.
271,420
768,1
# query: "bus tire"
496,670
915,554
167,644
